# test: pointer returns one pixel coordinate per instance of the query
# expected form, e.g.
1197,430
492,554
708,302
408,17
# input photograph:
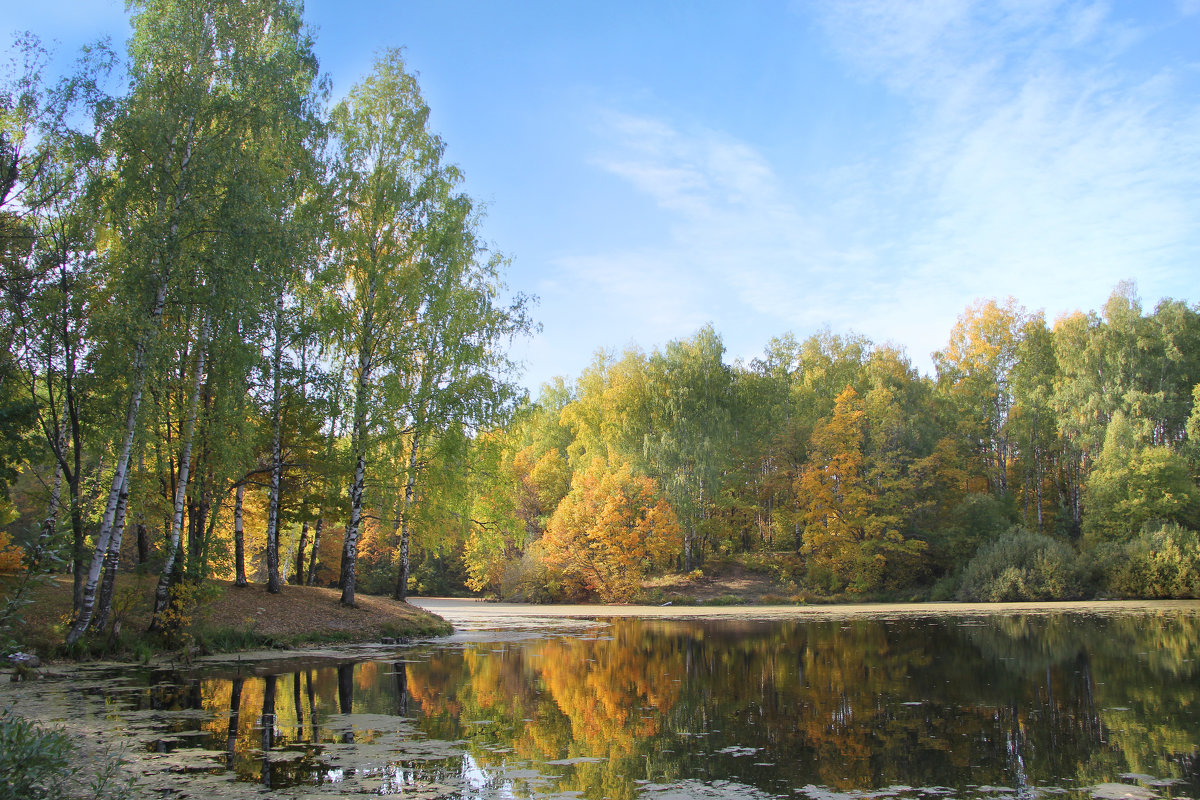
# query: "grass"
217,617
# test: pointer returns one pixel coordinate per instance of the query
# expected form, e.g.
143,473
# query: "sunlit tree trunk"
298,576
401,591
312,556
166,579
104,534
112,561
239,538
366,345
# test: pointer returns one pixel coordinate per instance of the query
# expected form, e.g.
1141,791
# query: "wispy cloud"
1043,158
736,245
1033,160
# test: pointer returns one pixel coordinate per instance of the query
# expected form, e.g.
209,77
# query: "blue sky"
862,165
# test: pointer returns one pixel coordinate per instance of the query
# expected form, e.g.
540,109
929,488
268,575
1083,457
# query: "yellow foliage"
10,554
609,529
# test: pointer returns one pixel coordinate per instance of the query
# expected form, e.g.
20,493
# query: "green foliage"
1163,562
37,763
977,520
1132,486
1022,565
178,620
34,762
529,580
358,325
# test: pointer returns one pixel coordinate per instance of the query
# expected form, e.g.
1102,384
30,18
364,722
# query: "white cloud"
1030,161
1045,166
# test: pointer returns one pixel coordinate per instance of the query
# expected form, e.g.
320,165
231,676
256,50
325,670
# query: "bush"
33,762
1163,562
40,763
1021,565
529,580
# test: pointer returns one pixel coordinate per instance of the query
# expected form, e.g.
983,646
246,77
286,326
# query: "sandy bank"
460,611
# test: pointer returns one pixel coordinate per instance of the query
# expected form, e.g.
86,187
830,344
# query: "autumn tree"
206,85
975,372
849,538
609,531
394,198
685,445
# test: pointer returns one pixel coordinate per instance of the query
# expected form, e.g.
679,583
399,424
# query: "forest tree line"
254,337
1042,460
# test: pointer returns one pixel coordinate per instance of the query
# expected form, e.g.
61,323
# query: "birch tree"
207,82
389,184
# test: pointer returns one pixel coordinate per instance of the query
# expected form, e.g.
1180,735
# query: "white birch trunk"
276,453
239,539
185,461
104,534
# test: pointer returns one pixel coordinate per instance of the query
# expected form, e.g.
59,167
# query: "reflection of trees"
847,704
267,720
852,704
235,706
1091,689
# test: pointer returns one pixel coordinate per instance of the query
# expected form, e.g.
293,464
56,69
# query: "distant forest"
254,337
1040,462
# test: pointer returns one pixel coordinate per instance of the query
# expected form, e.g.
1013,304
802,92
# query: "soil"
297,615
729,582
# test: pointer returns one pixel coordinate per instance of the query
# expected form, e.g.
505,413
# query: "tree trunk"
366,342
50,521
350,545
239,540
166,580
143,543
401,591
112,560
213,512
298,577
104,534
276,452
1041,522
312,556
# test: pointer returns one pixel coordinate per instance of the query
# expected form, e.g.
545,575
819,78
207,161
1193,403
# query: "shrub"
33,761
1163,562
36,762
529,580
1021,565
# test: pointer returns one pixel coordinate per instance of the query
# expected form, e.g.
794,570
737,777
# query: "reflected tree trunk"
235,707
296,702
312,704
268,728
401,688
346,697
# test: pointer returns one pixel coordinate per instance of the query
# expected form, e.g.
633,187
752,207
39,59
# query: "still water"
991,706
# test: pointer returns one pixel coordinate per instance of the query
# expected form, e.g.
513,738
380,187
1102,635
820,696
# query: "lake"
1006,705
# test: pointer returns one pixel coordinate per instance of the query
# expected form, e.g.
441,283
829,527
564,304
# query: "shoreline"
474,611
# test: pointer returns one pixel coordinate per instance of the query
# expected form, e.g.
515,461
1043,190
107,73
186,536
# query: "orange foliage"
10,554
609,529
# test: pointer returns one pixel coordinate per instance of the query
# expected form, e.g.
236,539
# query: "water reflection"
982,707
